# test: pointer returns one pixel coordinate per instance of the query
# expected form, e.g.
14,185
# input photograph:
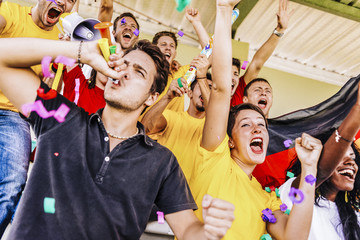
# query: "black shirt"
98,194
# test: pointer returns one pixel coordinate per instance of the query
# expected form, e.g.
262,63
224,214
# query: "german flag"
318,121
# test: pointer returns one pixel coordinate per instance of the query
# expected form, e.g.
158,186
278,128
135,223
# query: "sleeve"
175,194
284,191
40,124
237,98
7,12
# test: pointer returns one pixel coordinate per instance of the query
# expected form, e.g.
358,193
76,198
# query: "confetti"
244,65
287,211
136,32
265,237
180,33
160,217
49,95
290,174
53,1
77,93
277,192
49,205
283,207
56,154
180,83
33,144
310,179
267,216
123,21
65,60
39,108
45,63
267,189
287,143
294,193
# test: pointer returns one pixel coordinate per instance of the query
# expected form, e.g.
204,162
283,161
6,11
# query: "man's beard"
200,108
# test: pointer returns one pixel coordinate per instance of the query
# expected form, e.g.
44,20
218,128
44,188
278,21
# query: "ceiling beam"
245,6
331,6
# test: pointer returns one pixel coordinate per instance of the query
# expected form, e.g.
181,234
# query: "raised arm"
202,64
193,16
219,103
298,223
265,51
334,150
106,10
19,83
154,120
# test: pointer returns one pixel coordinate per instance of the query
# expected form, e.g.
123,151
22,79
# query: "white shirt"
326,222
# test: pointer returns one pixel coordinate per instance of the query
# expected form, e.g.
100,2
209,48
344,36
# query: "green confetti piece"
287,211
267,189
33,145
265,237
49,205
290,174
277,192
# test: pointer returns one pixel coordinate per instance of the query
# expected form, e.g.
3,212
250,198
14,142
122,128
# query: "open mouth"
167,55
54,14
349,173
127,35
114,81
256,145
262,103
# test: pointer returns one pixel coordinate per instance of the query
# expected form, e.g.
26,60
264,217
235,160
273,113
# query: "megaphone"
79,28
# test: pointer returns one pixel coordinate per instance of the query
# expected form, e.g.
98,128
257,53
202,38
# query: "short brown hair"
164,33
161,64
125,14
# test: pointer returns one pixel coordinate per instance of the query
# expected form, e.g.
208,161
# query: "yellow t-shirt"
220,177
181,136
20,24
177,104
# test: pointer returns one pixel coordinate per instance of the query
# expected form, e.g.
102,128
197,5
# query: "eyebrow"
135,65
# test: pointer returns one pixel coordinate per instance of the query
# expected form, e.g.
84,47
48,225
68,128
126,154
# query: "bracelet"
79,53
338,137
277,33
200,77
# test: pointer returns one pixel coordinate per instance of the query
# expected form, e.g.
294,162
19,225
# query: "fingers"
218,216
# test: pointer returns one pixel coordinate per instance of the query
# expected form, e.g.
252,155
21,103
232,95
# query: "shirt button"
106,139
107,159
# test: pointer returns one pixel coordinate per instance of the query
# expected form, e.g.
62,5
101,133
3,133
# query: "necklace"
122,138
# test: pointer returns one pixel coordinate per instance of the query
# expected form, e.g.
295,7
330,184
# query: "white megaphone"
79,28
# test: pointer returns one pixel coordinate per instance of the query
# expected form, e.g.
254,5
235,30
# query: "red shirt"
90,100
237,98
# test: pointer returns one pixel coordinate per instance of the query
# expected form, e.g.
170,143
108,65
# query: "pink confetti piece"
283,207
39,108
310,179
56,154
244,65
136,32
45,63
53,1
160,217
49,95
65,60
287,143
77,93
180,33
123,21
293,195
267,216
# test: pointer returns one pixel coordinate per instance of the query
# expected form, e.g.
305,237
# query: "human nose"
60,2
256,129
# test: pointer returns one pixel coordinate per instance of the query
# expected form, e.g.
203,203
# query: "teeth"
114,81
347,171
256,140
127,35
167,54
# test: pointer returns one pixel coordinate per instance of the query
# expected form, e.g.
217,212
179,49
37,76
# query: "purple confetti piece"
61,113
123,21
45,63
287,143
267,216
65,60
136,32
180,33
310,179
160,217
294,192
77,88
283,207
52,1
244,65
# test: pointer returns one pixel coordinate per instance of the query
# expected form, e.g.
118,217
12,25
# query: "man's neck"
35,15
192,111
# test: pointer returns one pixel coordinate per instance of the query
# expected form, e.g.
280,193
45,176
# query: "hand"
308,150
202,65
283,15
218,216
192,15
175,65
64,37
115,60
175,90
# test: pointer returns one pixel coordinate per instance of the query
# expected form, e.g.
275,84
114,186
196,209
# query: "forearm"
153,120
194,232
106,10
205,90
201,33
334,151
